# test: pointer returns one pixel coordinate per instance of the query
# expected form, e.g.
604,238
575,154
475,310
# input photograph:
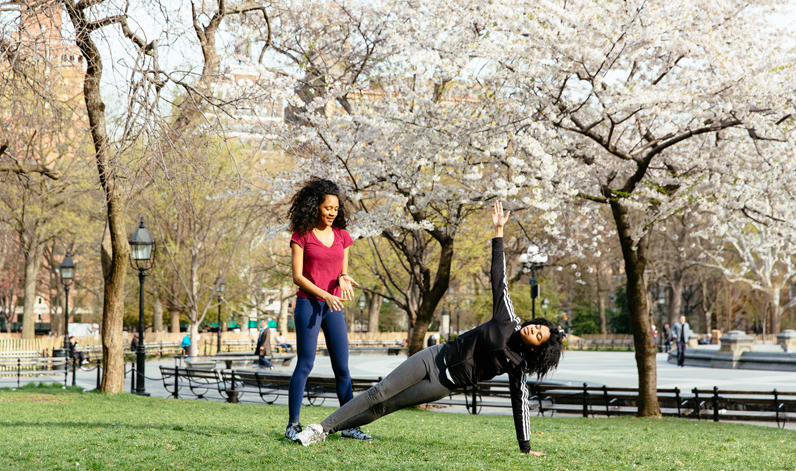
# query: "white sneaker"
356,433
312,434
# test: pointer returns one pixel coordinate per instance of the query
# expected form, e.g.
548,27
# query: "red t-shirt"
322,264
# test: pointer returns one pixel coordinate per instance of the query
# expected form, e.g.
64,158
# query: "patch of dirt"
32,398
430,406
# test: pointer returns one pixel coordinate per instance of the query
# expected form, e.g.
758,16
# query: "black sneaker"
291,431
356,433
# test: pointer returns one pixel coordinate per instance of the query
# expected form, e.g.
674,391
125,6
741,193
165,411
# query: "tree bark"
174,317
157,313
194,330
676,302
776,312
601,301
635,263
33,256
374,309
115,248
432,296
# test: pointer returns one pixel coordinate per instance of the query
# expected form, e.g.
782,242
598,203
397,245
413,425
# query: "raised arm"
502,308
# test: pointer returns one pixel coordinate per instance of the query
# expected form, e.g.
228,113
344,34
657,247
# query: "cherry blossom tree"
623,104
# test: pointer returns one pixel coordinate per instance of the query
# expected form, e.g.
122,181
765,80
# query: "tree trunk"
374,309
601,302
174,317
432,297
157,312
33,257
115,248
676,301
708,315
635,263
194,330
776,312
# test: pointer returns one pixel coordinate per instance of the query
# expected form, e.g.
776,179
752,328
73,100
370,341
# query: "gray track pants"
418,380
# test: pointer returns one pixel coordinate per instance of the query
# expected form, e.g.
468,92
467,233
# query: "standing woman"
319,249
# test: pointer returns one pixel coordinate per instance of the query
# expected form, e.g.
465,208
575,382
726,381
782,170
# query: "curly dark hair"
304,207
544,358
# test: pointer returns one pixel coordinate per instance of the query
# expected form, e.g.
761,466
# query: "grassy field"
45,428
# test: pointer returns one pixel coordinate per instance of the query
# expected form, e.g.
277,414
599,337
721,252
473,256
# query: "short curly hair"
544,358
304,207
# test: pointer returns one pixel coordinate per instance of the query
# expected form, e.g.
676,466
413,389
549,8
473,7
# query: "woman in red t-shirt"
320,264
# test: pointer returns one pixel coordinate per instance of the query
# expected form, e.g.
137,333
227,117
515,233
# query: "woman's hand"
498,218
334,303
346,288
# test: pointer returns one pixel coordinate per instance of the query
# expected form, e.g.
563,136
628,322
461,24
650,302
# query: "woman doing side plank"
502,345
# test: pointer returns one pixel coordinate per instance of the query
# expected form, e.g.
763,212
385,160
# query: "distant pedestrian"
134,343
681,331
667,338
264,347
186,344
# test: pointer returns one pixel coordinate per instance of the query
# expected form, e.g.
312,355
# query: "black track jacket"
492,349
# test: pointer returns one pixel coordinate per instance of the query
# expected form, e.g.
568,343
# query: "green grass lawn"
45,428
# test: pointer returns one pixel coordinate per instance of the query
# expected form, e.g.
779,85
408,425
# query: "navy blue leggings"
312,315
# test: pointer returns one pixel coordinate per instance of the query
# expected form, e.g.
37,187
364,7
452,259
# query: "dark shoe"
356,433
291,432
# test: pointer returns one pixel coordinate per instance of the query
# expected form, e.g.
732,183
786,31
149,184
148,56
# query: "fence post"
715,403
66,371
677,398
19,370
233,395
132,379
776,406
605,396
585,401
176,382
99,372
74,370
696,402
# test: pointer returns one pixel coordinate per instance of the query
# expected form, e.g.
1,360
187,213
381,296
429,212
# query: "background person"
186,344
75,354
502,345
681,332
280,342
319,248
264,347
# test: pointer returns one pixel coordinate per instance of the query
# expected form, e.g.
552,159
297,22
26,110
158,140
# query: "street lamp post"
67,270
661,332
458,312
362,302
142,247
533,260
221,287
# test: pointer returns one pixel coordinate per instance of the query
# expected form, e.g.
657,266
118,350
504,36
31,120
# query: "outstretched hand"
498,218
